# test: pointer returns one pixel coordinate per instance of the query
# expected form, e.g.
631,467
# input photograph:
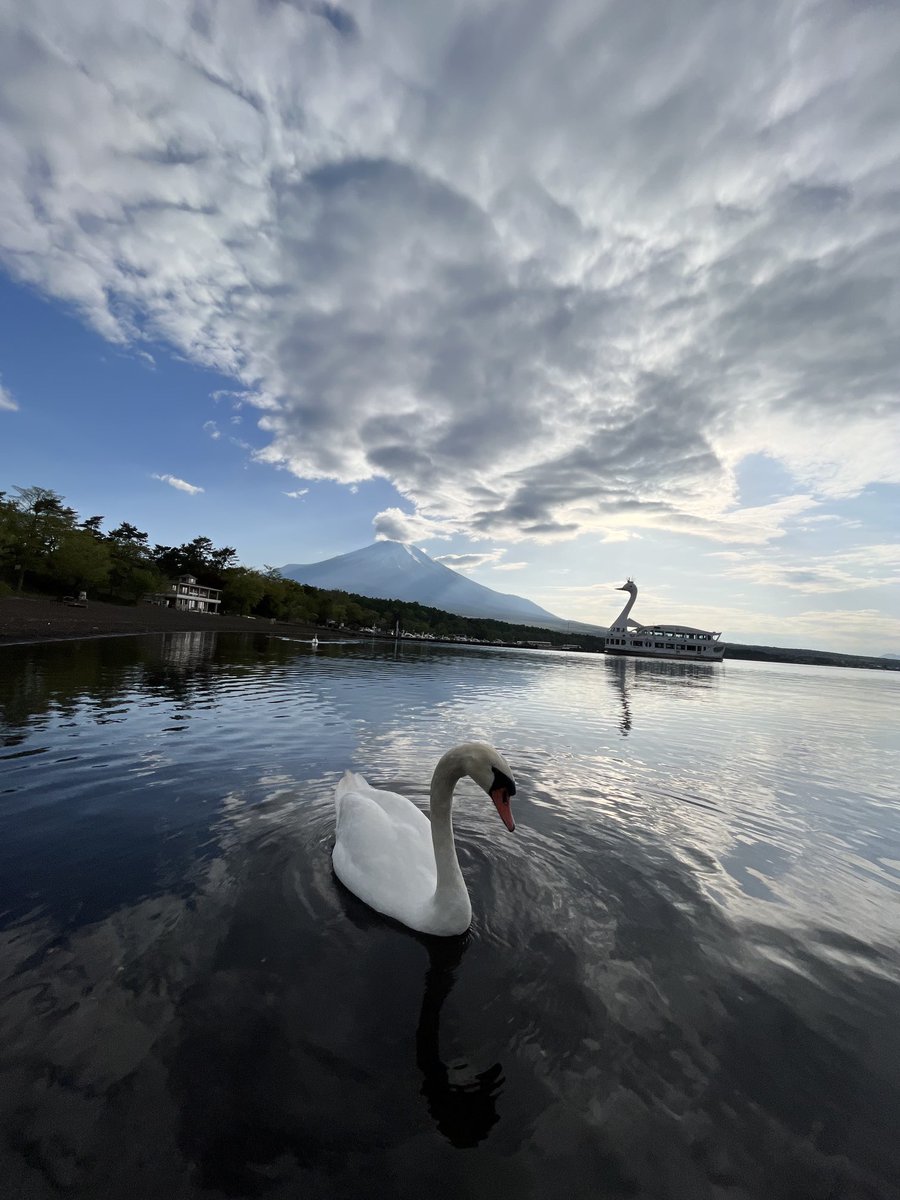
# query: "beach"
40,619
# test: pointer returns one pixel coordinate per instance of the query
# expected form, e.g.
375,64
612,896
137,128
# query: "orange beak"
500,797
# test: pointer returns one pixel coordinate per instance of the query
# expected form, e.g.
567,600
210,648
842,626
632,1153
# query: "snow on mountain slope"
396,571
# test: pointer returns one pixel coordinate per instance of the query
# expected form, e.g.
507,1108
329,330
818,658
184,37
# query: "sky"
560,293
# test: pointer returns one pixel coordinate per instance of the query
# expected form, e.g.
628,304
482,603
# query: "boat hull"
669,655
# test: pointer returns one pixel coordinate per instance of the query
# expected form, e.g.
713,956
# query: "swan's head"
491,772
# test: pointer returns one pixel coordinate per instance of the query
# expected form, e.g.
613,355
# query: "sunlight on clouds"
394,525
179,484
618,535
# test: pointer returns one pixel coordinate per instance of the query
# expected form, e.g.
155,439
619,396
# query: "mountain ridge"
399,571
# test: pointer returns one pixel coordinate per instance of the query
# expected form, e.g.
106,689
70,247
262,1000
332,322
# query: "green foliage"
199,557
243,590
32,526
79,561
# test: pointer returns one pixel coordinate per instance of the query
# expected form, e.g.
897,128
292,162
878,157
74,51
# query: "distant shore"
25,619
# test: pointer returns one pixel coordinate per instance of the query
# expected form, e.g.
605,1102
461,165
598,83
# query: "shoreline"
31,620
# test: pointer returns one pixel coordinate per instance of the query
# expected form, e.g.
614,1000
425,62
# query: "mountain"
397,571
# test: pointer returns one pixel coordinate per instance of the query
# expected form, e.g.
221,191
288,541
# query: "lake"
682,979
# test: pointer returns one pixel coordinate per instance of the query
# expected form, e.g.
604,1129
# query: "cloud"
548,269
619,535
871,566
180,484
511,566
7,403
469,562
298,494
212,429
394,525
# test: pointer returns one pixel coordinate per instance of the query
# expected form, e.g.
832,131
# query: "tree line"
46,547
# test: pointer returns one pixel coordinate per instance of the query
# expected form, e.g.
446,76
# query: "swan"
389,854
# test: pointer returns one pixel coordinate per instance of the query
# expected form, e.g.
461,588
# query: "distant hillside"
397,571
813,658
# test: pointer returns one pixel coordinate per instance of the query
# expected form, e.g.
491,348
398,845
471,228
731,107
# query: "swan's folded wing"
398,807
383,856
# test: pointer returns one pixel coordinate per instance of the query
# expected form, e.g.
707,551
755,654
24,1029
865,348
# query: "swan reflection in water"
462,1102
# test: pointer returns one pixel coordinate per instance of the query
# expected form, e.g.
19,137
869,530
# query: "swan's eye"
503,782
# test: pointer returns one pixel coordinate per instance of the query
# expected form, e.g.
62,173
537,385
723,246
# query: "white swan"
390,855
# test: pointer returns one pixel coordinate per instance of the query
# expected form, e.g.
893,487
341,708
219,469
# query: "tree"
242,590
80,561
198,557
127,534
133,573
34,522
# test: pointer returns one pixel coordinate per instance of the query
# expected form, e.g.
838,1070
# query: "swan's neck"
450,882
620,623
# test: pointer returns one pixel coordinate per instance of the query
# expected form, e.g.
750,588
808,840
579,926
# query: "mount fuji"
397,571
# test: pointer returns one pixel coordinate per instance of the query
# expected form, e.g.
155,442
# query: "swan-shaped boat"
396,860
627,636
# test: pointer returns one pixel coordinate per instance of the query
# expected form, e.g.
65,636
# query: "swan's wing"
396,806
383,851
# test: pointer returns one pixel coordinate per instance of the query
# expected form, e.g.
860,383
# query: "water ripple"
681,977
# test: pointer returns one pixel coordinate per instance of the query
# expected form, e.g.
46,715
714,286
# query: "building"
188,595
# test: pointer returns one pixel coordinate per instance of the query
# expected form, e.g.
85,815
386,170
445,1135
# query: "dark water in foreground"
682,979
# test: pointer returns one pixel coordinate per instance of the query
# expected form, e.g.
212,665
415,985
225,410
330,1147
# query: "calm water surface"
682,978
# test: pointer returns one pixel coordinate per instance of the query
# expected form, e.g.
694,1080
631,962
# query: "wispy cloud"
212,429
7,403
298,494
180,484
511,566
841,571
469,562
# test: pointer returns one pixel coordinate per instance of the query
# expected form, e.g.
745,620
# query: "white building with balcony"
188,595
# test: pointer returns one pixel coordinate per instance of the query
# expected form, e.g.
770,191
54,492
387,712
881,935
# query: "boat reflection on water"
628,676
